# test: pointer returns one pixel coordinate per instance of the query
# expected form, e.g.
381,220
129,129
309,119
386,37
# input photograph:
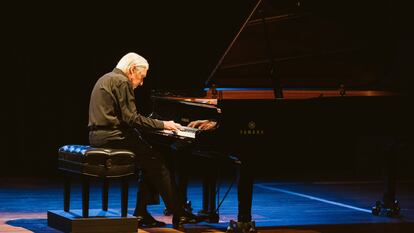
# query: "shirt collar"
118,71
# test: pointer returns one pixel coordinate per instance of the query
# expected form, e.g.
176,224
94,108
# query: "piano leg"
390,180
209,194
245,196
389,205
244,193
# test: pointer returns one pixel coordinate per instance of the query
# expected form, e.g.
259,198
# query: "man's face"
137,76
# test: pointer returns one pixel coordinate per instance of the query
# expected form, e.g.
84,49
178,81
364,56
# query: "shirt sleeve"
128,109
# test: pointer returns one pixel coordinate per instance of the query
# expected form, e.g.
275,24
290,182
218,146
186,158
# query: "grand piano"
294,73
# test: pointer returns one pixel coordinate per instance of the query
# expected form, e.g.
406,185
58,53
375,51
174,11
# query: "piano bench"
102,163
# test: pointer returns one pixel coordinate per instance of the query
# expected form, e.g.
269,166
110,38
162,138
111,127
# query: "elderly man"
115,123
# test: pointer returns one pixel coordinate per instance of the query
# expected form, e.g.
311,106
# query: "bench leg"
66,193
85,196
124,197
105,188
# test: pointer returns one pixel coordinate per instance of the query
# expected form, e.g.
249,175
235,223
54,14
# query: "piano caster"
392,210
187,208
241,227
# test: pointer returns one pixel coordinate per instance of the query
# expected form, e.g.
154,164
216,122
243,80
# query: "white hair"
132,59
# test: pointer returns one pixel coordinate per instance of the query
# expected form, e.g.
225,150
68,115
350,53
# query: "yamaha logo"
251,125
251,129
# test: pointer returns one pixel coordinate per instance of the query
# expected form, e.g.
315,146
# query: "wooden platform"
278,206
99,221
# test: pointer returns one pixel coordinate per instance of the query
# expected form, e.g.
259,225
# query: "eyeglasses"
140,66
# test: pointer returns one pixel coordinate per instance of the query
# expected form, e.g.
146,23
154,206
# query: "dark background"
52,54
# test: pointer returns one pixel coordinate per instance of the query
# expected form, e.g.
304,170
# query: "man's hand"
171,125
202,124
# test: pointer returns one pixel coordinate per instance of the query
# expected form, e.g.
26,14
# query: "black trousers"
154,172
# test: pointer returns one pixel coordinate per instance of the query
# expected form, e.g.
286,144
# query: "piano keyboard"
187,132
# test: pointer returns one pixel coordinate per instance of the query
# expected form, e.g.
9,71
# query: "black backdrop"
52,54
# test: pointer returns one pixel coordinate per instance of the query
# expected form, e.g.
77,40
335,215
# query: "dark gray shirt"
112,109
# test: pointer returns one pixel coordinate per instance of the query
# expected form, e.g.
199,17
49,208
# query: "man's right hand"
203,124
171,125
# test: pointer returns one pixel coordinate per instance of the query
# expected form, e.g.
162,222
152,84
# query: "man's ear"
130,70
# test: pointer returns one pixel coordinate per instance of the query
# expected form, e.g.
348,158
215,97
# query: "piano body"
295,71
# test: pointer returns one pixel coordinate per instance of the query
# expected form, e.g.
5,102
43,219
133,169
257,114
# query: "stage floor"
278,206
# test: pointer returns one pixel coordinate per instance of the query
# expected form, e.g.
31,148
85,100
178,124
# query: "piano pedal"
390,210
241,227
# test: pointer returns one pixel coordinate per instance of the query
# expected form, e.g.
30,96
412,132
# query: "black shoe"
149,221
178,222
192,217
187,208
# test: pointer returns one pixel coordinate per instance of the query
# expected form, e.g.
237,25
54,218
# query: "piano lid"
313,44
